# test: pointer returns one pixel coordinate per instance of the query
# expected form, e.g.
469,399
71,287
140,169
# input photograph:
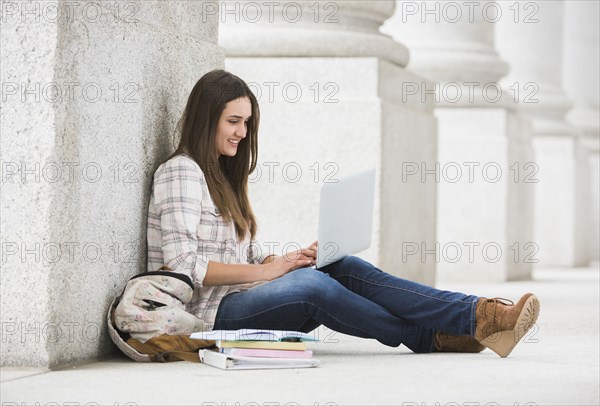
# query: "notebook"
249,334
271,345
267,353
230,361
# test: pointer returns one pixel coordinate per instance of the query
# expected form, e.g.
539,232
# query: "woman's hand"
291,261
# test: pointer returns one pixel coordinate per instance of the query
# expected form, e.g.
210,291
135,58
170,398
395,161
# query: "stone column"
484,227
580,78
326,81
91,92
535,51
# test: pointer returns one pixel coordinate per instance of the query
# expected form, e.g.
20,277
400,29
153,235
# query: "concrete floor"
557,363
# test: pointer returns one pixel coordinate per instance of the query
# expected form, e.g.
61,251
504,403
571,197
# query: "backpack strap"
167,272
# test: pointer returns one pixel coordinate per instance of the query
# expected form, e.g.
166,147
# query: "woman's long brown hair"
226,177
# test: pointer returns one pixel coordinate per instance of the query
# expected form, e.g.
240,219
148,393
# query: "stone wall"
91,93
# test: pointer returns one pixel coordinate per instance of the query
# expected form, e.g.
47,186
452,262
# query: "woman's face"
232,126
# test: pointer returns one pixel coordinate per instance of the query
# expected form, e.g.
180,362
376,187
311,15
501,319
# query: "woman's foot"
500,325
450,343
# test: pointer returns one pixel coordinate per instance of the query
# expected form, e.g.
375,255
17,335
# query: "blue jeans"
353,297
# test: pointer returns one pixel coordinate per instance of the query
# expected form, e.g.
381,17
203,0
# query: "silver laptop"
345,217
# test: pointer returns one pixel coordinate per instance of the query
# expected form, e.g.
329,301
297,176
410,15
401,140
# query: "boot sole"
503,342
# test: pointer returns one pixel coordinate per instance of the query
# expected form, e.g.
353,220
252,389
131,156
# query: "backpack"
148,321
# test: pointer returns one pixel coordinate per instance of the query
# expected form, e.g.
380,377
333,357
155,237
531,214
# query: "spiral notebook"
249,334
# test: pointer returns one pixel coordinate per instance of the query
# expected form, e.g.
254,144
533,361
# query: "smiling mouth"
234,143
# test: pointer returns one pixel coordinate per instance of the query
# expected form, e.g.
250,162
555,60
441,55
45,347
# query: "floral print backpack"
148,320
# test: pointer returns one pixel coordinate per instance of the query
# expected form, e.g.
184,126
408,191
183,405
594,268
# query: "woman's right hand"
291,261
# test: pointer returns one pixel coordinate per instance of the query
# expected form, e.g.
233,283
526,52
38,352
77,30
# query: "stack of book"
257,349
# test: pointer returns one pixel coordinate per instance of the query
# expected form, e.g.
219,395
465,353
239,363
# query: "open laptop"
345,217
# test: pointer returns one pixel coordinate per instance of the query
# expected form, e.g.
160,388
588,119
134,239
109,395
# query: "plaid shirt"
186,231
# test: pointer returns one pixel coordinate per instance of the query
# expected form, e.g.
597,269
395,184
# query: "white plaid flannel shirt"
186,231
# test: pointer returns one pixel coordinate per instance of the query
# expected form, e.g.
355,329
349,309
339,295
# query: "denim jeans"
353,297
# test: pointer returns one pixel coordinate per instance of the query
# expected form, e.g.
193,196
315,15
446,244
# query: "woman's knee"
353,261
350,264
307,284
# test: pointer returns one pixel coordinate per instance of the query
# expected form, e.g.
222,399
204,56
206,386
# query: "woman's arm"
270,259
272,267
219,274
176,203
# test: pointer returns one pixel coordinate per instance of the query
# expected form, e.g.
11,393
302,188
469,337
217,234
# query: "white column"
535,52
580,78
484,228
326,79
533,45
449,42
308,29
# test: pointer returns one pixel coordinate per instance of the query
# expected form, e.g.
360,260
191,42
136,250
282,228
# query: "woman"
201,224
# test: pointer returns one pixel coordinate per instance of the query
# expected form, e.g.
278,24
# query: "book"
269,345
253,352
229,361
253,335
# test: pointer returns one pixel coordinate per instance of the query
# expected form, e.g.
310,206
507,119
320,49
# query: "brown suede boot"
500,326
450,343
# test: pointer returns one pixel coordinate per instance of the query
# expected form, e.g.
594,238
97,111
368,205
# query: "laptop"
345,217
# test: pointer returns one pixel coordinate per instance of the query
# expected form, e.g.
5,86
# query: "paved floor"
556,364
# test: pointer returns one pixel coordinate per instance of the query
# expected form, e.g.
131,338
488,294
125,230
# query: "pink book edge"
267,353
